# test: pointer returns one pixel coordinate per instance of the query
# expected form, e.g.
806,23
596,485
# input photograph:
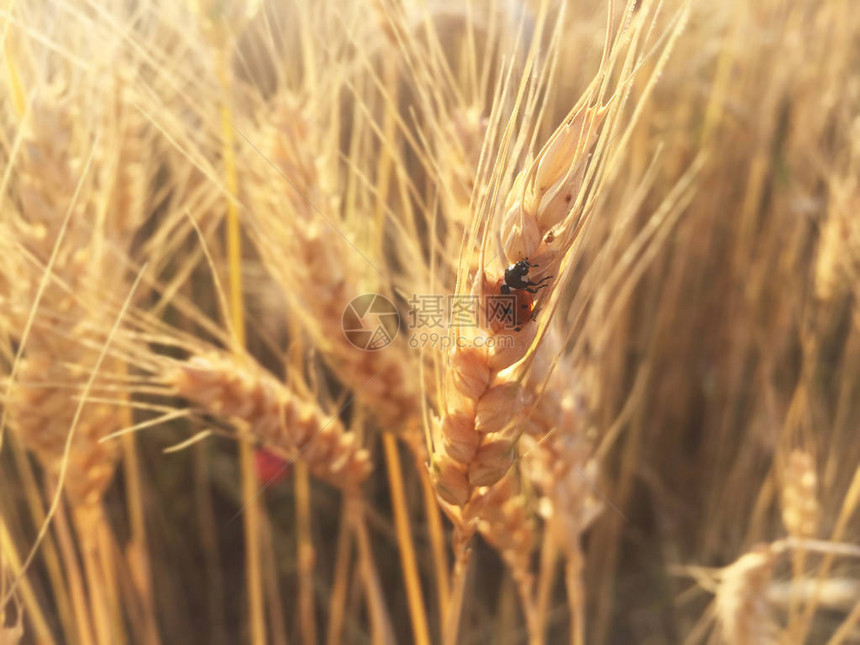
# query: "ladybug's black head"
515,276
515,273
522,267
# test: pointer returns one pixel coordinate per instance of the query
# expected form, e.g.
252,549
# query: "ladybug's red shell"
503,320
271,469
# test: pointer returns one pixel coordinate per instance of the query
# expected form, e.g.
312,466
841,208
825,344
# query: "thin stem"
524,590
380,621
251,505
798,566
306,554
9,557
437,542
277,622
546,579
87,528
80,602
575,598
844,630
404,540
462,553
61,591
337,604
849,504
19,96
134,502
208,532
107,566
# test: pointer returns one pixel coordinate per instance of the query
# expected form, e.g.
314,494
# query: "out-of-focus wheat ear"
382,376
48,174
222,22
560,464
742,609
286,424
56,180
563,476
312,256
321,270
800,514
62,206
131,164
12,631
40,414
837,267
559,467
458,147
800,507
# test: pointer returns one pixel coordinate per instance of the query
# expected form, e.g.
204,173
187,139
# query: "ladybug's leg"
537,285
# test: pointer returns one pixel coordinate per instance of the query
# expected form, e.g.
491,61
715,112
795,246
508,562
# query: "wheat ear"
482,411
800,508
286,424
311,255
57,220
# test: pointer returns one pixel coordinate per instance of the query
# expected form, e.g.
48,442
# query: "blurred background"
709,320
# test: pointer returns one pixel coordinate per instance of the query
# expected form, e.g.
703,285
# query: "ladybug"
515,278
516,283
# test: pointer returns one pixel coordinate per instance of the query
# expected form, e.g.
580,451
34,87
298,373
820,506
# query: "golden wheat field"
424,321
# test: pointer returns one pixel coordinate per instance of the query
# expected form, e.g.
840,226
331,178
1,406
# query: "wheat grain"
507,524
